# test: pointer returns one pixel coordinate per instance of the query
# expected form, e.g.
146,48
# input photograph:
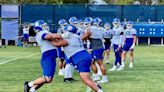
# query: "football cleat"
26,87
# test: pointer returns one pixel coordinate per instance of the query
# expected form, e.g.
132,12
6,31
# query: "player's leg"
99,56
123,58
116,58
71,73
61,60
67,73
103,70
131,59
84,70
119,63
48,65
124,53
107,53
95,75
89,82
107,56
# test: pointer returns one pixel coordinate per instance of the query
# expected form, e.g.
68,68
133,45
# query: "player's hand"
132,47
66,35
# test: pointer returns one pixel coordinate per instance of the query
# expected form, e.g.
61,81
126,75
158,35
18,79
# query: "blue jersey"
129,33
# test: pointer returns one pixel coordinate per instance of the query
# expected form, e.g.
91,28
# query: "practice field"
18,64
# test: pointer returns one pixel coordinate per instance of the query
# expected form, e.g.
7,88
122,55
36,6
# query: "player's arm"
51,36
86,35
134,39
59,43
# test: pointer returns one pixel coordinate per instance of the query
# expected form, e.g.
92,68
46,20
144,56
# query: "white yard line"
18,58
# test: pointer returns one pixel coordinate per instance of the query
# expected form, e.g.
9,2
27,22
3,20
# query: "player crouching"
78,56
48,60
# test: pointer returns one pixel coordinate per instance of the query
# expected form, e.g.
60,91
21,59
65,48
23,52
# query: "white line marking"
18,58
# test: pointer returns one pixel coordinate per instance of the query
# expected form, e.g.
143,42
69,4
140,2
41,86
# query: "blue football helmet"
73,20
107,25
71,28
62,22
88,20
129,24
116,20
97,21
40,25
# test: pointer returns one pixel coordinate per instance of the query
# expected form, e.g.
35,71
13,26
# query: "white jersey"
60,31
117,38
129,33
80,31
25,30
75,44
96,37
44,44
108,34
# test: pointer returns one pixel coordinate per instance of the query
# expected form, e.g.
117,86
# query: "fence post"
162,41
137,41
148,41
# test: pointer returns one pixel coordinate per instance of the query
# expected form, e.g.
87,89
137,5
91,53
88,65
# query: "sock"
104,77
100,90
30,84
95,75
123,63
70,71
32,89
63,69
66,74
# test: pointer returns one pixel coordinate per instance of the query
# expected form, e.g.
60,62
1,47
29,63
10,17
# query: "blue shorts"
126,47
115,47
25,36
107,46
48,63
97,54
61,54
82,61
67,61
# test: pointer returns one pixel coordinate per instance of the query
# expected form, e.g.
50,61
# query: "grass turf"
147,75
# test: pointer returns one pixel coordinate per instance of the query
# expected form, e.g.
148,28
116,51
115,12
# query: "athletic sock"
32,89
30,84
104,77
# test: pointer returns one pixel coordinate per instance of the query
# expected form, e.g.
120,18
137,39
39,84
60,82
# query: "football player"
129,43
77,55
117,41
108,37
62,23
48,59
96,37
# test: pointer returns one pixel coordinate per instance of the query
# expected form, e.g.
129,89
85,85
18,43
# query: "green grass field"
24,64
